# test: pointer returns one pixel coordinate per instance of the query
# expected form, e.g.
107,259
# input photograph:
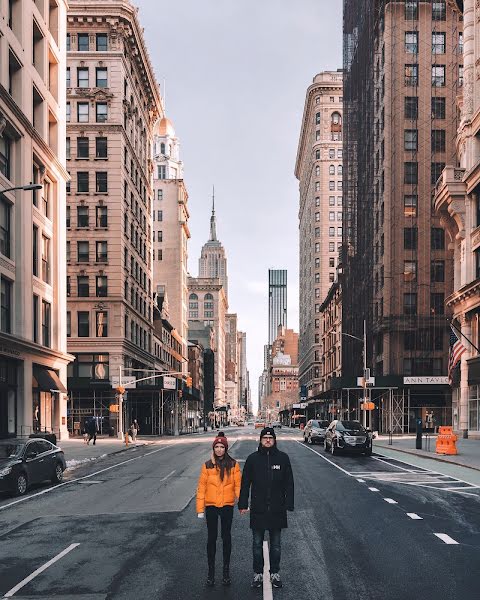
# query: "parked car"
277,424
259,424
348,435
24,462
314,432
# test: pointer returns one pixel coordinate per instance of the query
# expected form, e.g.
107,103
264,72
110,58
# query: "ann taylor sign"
440,380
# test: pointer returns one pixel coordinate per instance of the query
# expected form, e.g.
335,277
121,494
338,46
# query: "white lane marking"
395,466
414,516
446,538
473,487
44,567
390,501
361,480
167,476
324,458
267,584
373,489
56,487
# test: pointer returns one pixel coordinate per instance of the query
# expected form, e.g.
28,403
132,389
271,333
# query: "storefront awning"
47,380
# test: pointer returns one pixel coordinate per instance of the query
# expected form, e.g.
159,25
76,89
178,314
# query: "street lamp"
29,187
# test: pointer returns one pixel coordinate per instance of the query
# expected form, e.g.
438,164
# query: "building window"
82,77
68,115
331,153
331,186
411,42
159,215
339,185
67,148
411,10
409,304
101,182
437,303
101,325
162,172
69,79
101,112
410,237
101,286
46,259
82,216
68,221
83,327
5,305
437,169
317,118
331,200
69,324
82,182
317,155
438,43
411,75
438,75
68,251
83,252
159,195
438,140
317,201
409,270
101,214
438,108
331,216
101,77
437,238
331,246
83,286
460,75
5,226
5,154
477,267
82,147
101,252
82,42
159,255
82,112
193,302
439,10
101,147
339,231
411,172
46,323
410,206
69,45
437,271
410,137
101,42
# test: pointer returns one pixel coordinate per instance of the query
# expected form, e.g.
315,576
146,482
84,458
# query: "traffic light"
189,382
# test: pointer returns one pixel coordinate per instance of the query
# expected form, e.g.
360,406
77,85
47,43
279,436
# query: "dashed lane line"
44,567
390,501
324,458
167,476
372,489
414,516
446,539
267,584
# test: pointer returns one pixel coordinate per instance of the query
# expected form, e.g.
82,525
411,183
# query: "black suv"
348,435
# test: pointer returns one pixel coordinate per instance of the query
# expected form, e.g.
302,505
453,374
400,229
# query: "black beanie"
268,431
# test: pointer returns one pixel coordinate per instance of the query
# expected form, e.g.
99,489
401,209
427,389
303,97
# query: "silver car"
314,432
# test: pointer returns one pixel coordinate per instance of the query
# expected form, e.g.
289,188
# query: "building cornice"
16,346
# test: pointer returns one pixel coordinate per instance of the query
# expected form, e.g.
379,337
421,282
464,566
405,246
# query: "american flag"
456,350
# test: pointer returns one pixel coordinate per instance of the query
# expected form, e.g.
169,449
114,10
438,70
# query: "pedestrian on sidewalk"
218,488
91,428
135,430
268,475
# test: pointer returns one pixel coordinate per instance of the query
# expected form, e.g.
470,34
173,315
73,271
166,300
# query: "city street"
125,526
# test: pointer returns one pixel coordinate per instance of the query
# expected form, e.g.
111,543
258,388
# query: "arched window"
208,303
336,119
331,169
193,302
340,170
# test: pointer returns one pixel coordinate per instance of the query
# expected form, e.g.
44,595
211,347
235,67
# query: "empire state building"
213,262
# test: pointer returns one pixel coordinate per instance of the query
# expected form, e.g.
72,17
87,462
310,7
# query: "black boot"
226,575
211,577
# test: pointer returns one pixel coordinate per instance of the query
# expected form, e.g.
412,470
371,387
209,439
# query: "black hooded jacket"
269,474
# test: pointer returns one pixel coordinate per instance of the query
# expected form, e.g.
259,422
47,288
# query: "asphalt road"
125,527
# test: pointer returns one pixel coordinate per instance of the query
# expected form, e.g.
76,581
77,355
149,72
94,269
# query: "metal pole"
365,395
176,400
120,405
161,421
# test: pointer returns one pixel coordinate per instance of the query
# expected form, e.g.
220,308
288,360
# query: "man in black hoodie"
269,474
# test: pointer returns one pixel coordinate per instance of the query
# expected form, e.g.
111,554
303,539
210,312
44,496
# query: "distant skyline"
236,75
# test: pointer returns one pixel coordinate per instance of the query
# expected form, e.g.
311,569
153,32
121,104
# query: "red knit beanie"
220,440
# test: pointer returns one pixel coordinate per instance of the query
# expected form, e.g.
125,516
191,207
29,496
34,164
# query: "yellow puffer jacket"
212,491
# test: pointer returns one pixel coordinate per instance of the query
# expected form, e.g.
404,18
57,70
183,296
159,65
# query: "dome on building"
165,128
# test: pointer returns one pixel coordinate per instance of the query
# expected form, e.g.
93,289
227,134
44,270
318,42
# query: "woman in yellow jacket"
218,487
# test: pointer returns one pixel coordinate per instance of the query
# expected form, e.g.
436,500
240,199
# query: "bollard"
390,437
126,438
418,441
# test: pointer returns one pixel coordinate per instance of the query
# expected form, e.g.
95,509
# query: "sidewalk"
77,452
468,450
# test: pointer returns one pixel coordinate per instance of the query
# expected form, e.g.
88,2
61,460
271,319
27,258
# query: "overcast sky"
236,74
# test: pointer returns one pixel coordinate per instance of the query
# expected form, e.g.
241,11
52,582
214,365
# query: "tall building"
402,74
213,260
277,301
457,201
232,363
170,225
113,103
319,170
208,304
243,381
33,344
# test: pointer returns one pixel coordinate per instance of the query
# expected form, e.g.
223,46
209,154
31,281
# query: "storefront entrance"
8,397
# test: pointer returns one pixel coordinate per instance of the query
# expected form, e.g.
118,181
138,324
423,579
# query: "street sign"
169,383
361,381
127,382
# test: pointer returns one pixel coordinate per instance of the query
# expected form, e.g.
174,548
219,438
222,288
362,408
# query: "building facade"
113,103
170,232
457,201
232,364
402,73
213,260
243,377
319,170
277,301
331,314
33,344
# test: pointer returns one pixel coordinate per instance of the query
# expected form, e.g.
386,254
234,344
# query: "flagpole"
463,335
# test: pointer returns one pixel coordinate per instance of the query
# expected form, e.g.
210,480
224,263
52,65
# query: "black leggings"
226,516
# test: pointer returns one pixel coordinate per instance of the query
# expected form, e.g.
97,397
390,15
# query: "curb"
435,457
95,458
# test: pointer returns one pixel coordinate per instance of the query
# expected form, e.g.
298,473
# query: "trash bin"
45,435
111,432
